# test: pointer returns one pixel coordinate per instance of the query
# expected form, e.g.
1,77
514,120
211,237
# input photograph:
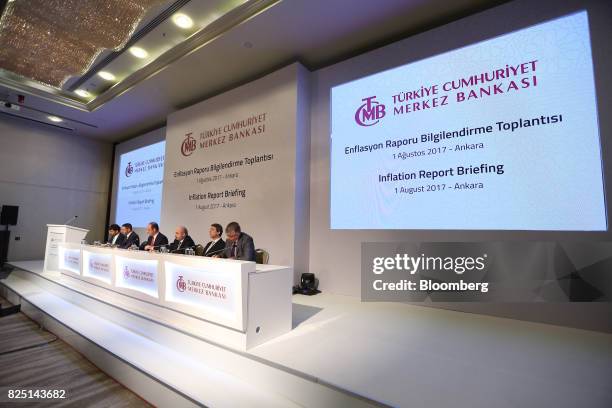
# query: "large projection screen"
498,135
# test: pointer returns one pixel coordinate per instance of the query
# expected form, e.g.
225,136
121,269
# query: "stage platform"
340,352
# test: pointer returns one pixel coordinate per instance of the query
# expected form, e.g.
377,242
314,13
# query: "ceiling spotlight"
138,52
82,93
106,75
54,119
182,20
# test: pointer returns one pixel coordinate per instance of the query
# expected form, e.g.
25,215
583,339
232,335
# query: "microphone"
71,219
214,252
179,249
159,246
174,251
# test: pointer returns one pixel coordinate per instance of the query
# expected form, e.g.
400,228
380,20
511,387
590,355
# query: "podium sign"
203,287
98,266
140,275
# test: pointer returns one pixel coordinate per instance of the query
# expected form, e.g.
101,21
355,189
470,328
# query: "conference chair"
261,256
199,250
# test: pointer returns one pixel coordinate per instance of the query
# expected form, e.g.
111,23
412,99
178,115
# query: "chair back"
261,256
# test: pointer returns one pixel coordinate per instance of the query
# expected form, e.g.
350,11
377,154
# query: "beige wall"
51,175
275,199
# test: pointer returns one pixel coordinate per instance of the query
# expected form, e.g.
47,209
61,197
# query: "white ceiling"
315,32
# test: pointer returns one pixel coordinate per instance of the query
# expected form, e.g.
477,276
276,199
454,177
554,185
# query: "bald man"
182,240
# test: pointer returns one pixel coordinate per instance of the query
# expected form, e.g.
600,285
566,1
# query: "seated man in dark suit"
115,237
216,245
238,245
156,239
182,241
131,238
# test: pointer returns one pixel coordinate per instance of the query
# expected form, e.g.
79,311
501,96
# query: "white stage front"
340,352
240,304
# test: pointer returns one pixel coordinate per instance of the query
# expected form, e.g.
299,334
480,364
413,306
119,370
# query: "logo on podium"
126,272
181,285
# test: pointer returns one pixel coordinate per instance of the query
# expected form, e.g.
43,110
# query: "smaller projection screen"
140,183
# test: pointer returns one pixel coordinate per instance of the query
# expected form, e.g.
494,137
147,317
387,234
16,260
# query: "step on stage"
339,353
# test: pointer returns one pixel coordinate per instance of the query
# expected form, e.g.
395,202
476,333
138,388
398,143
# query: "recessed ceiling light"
54,119
182,20
106,75
82,93
138,52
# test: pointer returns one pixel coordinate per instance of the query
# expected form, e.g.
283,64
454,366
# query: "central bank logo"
129,169
181,285
189,145
370,112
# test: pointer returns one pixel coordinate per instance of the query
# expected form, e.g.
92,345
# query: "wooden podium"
57,234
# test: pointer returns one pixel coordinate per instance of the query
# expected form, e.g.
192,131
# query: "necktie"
234,250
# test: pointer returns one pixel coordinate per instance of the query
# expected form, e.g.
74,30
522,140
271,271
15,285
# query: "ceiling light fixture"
54,119
182,20
106,75
82,93
52,41
139,52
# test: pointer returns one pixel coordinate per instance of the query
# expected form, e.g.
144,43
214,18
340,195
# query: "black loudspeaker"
5,237
9,214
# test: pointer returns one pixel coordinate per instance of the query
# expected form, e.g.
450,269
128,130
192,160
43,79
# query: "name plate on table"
70,260
98,266
137,274
203,288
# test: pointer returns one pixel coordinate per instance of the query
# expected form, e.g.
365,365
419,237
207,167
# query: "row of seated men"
238,245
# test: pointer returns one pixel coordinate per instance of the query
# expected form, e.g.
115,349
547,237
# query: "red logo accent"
181,285
129,169
188,146
370,112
